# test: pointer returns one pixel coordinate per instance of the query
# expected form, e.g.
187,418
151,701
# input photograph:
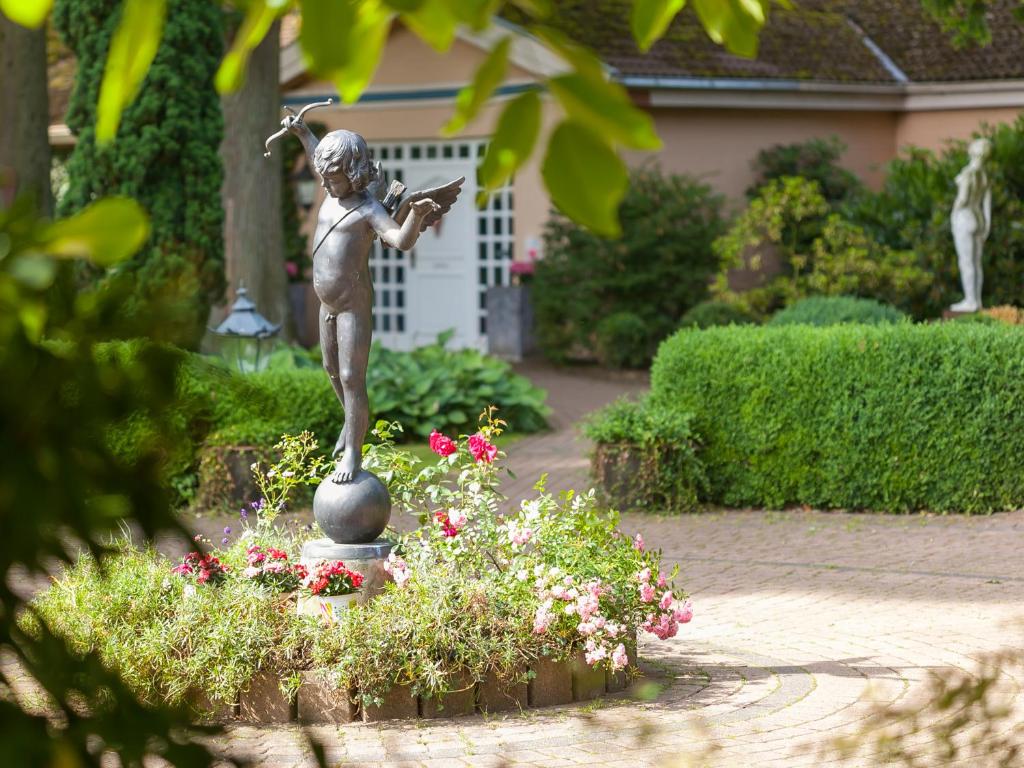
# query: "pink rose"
646,593
684,612
638,543
542,619
457,517
442,445
620,660
661,580
481,449
586,628
666,601
644,576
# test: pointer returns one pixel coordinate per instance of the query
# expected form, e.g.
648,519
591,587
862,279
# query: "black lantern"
246,334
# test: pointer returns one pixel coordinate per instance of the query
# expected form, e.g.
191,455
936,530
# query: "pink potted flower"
330,586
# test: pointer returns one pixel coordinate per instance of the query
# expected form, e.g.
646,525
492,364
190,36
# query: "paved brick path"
799,617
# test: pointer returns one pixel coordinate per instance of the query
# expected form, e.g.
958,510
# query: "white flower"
538,571
531,510
523,575
287,473
253,466
251,572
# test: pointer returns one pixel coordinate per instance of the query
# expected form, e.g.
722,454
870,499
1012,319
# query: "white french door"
441,284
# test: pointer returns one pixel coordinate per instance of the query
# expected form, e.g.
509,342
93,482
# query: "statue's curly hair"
347,152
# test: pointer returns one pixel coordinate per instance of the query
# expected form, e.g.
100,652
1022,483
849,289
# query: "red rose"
481,449
441,444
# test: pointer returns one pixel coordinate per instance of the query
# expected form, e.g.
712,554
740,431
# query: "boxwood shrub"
833,310
890,417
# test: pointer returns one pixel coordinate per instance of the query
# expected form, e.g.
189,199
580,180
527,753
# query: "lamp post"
245,334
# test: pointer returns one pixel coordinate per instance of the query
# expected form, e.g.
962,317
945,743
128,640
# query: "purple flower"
224,540
227,530
242,513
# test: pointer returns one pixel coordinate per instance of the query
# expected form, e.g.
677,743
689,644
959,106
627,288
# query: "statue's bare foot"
348,467
965,306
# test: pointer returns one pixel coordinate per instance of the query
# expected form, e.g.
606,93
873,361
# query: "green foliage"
622,341
429,388
834,310
709,314
167,645
889,417
646,457
817,252
165,154
911,212
58,400
656,271
815,160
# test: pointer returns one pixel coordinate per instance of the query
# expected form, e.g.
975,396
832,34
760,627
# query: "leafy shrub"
816,160
834,310
819,253
709,314
645,457
622,341
889,417
657,270
428,388
167,645
911,212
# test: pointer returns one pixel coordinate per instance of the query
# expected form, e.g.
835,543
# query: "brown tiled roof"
812,41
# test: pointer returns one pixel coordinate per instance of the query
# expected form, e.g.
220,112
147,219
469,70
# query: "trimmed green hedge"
834,310
889,418
709,314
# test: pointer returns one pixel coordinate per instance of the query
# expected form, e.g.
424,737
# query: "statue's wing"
445,196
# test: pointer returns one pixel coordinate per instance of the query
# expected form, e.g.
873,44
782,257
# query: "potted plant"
329,586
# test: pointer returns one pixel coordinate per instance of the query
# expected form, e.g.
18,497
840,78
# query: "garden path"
800,616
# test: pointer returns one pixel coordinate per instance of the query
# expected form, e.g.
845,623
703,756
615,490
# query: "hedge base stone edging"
318,701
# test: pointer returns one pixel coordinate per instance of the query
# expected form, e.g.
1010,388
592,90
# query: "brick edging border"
553,683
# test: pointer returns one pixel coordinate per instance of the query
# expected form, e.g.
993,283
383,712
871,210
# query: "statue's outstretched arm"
401,236
296,127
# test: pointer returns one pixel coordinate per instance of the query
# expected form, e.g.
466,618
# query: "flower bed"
484,606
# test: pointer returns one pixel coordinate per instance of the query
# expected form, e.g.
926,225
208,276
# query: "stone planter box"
206,710
619,681
399,704
225,476
321,702
264,702
587,682
494,695
615,467
461,701
551,685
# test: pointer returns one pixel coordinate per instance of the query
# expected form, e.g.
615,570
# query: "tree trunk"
24,114
253,234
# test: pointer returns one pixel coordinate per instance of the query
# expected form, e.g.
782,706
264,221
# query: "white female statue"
971,220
